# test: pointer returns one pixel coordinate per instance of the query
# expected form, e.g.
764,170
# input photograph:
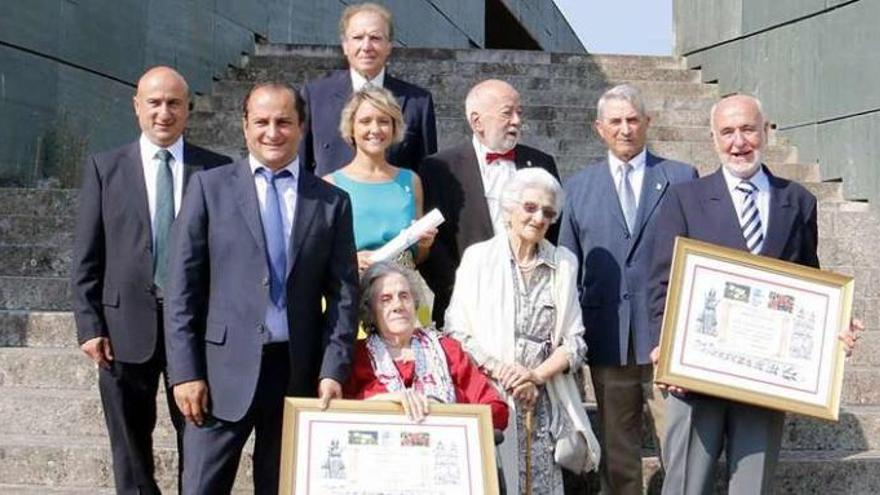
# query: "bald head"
494,113
739,132
161,104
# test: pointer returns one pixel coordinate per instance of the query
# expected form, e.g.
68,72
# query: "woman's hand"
426,238
365,259
526,394
511,376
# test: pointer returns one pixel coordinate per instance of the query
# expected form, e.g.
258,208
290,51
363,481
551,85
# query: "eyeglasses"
531,208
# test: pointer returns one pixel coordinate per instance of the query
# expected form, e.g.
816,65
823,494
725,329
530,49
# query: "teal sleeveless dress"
380,210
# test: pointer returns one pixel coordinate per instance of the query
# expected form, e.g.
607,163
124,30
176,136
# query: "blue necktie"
273,230
750,221
164,216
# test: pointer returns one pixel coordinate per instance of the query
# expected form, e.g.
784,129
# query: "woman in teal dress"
385,199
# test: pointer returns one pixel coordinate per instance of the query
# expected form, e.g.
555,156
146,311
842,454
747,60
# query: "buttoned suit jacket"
324,151
614,263
112,268
452,184
219,288
703,210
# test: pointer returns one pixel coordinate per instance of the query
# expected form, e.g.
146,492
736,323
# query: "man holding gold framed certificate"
741,206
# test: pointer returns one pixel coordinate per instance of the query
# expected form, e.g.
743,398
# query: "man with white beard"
743,206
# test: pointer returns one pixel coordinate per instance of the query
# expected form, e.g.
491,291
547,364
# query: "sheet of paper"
408,236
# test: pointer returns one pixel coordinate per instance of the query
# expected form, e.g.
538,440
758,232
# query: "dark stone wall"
815,66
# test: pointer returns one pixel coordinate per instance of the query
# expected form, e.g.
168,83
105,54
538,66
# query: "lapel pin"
528,163
658,186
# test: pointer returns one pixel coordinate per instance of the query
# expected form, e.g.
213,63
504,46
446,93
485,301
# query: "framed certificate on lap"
754,329
371,447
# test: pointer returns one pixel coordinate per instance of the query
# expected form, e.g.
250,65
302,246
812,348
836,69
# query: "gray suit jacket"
613,272
219,288
112,269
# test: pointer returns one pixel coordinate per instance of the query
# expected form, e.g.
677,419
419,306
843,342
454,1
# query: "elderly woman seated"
515,309
401,362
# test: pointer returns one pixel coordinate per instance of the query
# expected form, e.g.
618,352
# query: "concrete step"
36,261
77,463
35,230
60,409
50,368
37,329
37,293
280,53
38,202
798,473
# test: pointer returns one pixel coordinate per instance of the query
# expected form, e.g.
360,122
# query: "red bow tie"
508,155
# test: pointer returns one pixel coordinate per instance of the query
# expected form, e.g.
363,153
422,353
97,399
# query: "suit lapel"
397,89
470,178
779,218
654,184
306,208
246,197
137,195
191,163
719,207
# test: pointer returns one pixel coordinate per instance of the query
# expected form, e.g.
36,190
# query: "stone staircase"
52,436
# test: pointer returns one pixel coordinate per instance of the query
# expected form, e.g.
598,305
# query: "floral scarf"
432,373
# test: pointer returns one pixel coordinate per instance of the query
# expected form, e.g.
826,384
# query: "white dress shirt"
151,169
494,177
636,176
762,195
276,318
358,81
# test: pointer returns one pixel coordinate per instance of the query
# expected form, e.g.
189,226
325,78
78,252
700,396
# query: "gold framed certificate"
754,329
371,447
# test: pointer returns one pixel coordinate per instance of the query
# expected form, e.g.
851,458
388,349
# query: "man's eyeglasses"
531,208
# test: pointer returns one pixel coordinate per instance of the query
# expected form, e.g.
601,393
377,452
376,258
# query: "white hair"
531,178
622,92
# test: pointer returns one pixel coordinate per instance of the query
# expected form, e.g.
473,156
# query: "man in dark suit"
258,244
742,206
609,223
128,200
465,182
366,31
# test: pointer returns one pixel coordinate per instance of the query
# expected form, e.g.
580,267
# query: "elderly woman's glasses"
531,208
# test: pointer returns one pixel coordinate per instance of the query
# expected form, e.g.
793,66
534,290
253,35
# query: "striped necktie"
749,220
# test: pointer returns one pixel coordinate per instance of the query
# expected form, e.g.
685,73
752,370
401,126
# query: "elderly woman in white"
515,309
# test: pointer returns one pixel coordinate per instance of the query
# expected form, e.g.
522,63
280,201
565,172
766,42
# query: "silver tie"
627,196
750,221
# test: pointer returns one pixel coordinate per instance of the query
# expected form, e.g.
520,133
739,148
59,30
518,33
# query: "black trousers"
128,394
213,450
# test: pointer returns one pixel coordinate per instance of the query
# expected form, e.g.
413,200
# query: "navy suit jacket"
219,288
112,269
324,151
452,183
703,210
614,264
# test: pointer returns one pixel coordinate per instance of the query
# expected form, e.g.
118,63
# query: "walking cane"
530,426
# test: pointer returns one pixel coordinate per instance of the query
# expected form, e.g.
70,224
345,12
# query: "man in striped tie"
744,206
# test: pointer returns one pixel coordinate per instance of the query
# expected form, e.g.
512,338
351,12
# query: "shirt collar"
544,255
759,180
637,162
149,149
292,167
358,81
